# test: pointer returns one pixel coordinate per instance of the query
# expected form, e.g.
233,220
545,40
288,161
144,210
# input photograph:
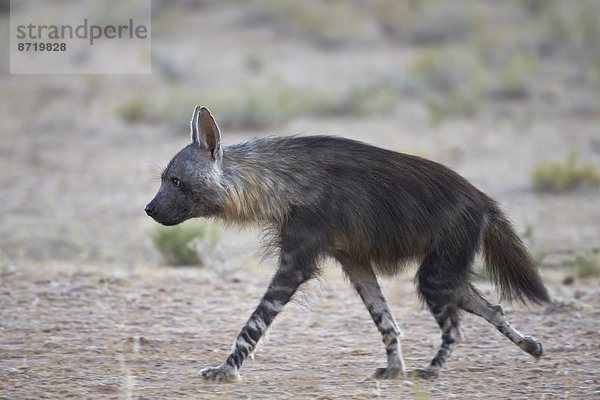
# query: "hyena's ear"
194,126
205,132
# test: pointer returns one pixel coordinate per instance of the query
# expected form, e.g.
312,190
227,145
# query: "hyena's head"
191,184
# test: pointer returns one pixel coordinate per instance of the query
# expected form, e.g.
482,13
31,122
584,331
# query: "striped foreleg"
283,286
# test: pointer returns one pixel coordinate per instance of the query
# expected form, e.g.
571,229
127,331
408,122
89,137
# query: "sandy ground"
86,332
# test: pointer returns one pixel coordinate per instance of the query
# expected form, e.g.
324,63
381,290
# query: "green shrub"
425,22
550,176
538,254
443,70
134,110
187,243
324,23
266,102
513,76
373,96
588,266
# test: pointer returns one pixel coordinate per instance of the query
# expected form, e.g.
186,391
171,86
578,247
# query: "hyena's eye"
176,182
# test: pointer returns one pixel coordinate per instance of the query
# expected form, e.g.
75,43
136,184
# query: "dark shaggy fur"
371,209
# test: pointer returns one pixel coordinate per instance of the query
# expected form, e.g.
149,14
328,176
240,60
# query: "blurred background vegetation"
506,92
464,52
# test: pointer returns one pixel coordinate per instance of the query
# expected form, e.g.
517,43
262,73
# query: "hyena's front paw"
223,373
388,373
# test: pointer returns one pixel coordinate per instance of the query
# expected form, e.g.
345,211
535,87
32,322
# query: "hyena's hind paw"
532,346
223,373
388,373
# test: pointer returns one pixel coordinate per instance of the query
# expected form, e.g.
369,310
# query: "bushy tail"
509,264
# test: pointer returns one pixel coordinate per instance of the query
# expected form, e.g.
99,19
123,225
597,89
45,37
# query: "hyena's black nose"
149,208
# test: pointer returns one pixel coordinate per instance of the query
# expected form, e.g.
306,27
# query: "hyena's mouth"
170,221
175,222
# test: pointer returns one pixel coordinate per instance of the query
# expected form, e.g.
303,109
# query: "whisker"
157,171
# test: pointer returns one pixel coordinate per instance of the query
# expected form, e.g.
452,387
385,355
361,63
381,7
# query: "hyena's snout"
168,211
149,209
155,211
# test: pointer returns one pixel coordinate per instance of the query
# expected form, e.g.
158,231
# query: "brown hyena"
371,209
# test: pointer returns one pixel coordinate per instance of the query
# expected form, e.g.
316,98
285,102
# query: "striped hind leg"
475,303
365,282
441,287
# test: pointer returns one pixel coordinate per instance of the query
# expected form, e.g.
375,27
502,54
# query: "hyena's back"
369,204
378,208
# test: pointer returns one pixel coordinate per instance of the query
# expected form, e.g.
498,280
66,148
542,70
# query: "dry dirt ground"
86,332
87,310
